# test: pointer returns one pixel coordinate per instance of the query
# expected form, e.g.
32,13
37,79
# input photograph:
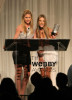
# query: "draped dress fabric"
49,54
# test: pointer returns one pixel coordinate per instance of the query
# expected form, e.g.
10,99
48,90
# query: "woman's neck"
27,25
40,28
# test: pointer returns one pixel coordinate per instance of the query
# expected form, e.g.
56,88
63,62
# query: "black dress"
22,57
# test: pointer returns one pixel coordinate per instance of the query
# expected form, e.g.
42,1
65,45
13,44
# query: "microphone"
55,29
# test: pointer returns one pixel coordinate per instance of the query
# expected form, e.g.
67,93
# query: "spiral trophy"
55,29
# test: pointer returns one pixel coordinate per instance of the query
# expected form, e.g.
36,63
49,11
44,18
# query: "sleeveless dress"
22,57
49,54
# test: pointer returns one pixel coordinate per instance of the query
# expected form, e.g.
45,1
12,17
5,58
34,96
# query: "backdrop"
56,11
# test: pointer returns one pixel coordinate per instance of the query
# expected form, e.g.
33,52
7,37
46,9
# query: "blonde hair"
23,23
46,31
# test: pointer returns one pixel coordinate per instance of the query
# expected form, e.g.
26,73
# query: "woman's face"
27,18
41,22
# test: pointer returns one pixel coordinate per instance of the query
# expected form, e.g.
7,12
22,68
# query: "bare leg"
18,78
25,80
42,72
45,72
48,72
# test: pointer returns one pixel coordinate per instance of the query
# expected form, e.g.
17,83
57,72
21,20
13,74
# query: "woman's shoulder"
19,27
50,29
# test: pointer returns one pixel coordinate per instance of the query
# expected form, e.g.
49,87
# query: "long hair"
23,23
46,31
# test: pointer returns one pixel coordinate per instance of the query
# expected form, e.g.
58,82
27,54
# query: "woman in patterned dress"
46,52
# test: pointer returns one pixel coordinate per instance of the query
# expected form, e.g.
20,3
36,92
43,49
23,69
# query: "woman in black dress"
22,58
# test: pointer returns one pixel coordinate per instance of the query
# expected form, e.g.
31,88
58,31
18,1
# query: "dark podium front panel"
33,44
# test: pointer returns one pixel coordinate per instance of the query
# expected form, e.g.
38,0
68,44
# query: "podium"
33,44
